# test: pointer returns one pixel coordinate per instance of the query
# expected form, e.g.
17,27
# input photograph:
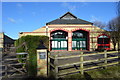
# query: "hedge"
32,42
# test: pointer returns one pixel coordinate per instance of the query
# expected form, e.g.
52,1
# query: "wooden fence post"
118,56
6,68
48,65
56,68
105,56
81,65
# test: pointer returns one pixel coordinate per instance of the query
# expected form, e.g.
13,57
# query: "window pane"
103,36
77,35
73,43
100,41
81,44
106,40
84,44
58,44
55,44
65,44
59,34
62,44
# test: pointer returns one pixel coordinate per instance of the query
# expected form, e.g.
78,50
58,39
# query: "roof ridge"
66,14
69,19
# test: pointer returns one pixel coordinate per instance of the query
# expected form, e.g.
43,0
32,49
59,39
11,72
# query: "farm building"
5,42
71,33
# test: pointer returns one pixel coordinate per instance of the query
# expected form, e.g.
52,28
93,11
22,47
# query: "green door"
59,44
79,43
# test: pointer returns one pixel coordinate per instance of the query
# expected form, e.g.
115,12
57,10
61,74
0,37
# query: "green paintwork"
78,45
78,39
59,40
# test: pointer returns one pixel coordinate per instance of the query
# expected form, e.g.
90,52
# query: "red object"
104,45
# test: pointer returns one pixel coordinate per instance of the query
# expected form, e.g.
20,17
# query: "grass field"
111,72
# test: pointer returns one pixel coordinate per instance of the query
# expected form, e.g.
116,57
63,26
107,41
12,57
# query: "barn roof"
68,18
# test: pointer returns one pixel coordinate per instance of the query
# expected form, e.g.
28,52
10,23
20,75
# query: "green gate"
79,43
59,44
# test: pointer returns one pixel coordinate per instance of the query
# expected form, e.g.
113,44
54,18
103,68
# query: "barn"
70,33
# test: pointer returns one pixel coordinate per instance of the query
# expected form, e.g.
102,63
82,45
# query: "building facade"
71,33
5,42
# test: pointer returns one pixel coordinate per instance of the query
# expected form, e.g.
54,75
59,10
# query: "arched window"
103,39
103,42
59,40
79,40
59,34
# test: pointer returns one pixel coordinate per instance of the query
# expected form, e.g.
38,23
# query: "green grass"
112,72
109,72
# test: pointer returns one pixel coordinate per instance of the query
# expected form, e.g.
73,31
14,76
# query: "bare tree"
99,24
118,12
114,26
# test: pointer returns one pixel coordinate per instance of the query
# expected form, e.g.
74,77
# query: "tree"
118,12
99,24
113,26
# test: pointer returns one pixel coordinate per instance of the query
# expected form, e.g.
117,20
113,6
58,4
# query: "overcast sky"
28,16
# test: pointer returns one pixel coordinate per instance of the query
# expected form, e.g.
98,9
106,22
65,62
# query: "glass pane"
55,44
58,44
100,41
73,43
59,34
77,35
106,40
65,44
84,43
103,36
81,44
62,44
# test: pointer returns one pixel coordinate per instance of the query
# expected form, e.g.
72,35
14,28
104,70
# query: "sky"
29,16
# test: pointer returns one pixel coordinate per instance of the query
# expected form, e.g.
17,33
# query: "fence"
12,67
107,60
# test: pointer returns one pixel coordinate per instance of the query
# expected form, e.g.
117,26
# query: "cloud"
69,6
12,20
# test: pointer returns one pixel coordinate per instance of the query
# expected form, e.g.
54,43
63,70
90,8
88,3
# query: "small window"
42,55
103,40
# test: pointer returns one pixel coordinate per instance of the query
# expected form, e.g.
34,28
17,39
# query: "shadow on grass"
87,76
31,78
